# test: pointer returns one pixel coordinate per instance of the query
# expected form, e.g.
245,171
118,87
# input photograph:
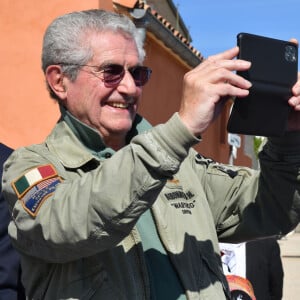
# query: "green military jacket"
74,214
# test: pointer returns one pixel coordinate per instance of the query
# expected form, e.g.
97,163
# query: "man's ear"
55,79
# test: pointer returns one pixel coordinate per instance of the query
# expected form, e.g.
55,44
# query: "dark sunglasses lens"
113,74
141,75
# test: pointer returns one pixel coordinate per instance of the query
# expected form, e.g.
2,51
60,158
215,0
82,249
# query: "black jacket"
264,268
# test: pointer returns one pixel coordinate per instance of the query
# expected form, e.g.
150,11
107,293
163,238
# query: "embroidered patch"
34,198
182,200
32,177
35,186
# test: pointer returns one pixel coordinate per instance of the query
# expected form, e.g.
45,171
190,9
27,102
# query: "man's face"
110,110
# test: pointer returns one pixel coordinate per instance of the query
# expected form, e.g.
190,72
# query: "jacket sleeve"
246,203
89,212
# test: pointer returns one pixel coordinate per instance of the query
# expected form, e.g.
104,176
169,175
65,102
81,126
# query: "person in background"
10,271
259,261
265,269
109,207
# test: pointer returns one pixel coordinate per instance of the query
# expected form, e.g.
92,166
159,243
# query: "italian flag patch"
32,177
35,186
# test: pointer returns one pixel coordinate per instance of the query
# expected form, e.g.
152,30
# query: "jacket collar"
76,144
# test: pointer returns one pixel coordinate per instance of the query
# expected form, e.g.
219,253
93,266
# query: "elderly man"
97,208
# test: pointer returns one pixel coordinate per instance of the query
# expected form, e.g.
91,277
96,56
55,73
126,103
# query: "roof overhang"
146,18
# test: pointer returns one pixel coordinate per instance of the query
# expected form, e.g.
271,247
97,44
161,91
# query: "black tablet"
273,72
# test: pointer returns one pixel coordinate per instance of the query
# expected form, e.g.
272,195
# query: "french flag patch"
35,186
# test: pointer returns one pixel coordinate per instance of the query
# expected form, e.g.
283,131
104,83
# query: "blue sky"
214,24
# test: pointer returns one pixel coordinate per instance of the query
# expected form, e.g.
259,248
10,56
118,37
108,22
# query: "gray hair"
64,38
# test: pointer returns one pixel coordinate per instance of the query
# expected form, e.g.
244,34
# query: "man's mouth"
119,105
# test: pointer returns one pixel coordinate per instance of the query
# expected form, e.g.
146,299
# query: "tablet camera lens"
290,53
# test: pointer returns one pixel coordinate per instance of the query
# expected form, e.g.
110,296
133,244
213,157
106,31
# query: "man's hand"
207,87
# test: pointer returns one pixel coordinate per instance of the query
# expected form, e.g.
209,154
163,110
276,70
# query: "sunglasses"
113,74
